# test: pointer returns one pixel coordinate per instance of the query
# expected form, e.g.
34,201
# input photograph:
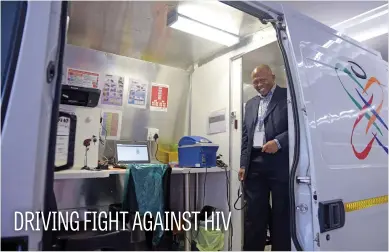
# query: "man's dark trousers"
262,178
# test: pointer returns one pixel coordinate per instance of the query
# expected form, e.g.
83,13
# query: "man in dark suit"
265,164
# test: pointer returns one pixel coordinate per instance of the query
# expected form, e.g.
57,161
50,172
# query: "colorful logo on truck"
369,105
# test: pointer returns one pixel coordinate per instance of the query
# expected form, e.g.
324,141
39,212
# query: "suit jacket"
276,127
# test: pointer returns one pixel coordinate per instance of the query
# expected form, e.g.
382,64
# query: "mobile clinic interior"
202,54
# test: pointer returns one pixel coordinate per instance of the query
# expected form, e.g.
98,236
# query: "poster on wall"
62,144
217,122
82,78
137,93
111,124
112,91
159,97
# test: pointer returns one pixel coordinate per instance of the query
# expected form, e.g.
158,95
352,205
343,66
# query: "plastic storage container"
196,151
167,153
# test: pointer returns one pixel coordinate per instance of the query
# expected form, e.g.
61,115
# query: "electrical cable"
156,151
205,181
204,184
240,194
229,209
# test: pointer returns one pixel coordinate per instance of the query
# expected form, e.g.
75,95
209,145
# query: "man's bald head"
261,68
263,79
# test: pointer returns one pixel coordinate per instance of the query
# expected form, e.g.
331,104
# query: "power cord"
240,194
204,184
229,209
156,151
102,142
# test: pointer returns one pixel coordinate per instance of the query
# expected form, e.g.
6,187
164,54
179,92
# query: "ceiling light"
361,18
199,29
375,32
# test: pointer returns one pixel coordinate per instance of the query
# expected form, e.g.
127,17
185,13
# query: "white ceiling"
380,44
333,12
138,29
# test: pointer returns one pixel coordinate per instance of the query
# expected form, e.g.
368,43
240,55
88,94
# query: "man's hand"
270,147
241,174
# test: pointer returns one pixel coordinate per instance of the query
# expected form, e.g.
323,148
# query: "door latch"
233,120
303,180
332,215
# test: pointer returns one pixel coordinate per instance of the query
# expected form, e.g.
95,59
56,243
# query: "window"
13,14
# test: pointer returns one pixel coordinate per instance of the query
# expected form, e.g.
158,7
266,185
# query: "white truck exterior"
339,103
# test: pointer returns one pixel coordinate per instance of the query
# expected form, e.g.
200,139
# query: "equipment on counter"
196,151
129,152
65,144
86,143
80,96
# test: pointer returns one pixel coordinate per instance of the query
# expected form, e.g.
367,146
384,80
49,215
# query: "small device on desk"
128,152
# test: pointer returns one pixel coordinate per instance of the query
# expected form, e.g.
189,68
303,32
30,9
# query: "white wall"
172,124
210,92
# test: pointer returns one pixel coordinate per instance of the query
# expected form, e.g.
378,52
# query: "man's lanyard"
263,104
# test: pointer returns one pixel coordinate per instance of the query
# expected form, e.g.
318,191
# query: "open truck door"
339,164
33,40
344,99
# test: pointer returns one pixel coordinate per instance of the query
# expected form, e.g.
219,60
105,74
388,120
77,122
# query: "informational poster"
62,144
137,93
82,78
217,122
159,97
111,125
112,91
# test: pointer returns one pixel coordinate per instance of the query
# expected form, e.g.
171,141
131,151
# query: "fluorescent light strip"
204,31
363,14
361,37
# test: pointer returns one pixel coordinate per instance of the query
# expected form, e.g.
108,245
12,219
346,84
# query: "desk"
75,173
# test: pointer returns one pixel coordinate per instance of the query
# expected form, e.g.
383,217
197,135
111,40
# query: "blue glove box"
196,151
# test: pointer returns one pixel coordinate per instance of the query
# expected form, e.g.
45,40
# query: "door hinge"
317,239
50,72
303,180
302,208
304,110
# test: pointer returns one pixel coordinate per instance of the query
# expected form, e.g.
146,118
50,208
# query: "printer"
80,96
197,152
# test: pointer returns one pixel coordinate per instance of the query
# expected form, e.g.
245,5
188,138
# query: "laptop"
128,152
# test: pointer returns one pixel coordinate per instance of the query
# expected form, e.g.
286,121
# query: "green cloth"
148,183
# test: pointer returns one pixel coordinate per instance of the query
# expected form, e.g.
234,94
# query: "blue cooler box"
196,151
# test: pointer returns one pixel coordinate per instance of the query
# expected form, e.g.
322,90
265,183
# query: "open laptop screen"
132,153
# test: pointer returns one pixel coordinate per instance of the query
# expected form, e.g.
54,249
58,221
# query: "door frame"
236,113
299,164
28,153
